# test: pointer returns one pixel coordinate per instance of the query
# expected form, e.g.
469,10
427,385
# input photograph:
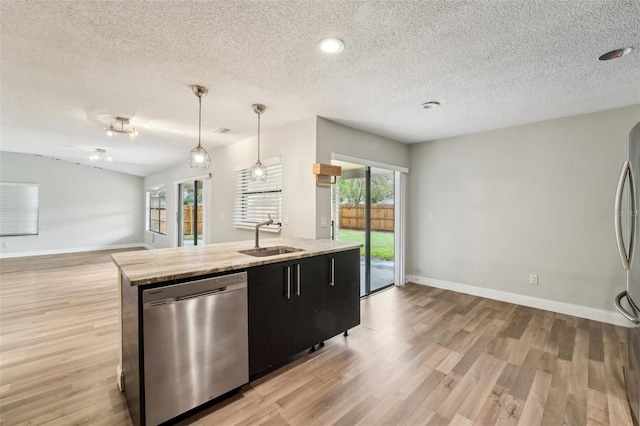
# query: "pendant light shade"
259,170
199,158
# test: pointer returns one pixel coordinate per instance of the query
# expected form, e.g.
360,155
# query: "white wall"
528,199
80,207
294,143
336,138
299,145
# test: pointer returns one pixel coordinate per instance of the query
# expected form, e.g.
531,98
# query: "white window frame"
268,194
149,191
400,209
19,209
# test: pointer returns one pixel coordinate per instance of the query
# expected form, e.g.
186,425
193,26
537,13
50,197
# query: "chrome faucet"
266,222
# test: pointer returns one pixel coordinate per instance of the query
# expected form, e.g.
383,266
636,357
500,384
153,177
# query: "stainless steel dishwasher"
195,344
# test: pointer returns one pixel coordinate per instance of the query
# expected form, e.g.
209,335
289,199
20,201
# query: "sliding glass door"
363,211
190,213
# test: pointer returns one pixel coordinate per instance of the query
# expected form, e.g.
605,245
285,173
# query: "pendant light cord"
199,118
259,137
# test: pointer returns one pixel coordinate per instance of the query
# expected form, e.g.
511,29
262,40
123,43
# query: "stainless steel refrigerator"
626,225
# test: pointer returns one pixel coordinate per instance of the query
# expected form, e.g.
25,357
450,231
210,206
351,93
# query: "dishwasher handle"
211,292
203,294
193,290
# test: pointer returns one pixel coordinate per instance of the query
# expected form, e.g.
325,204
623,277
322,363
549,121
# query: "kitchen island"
292,301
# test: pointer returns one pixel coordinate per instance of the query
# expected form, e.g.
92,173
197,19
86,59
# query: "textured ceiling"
67,68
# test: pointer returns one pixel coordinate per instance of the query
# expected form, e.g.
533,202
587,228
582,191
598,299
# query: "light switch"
432,215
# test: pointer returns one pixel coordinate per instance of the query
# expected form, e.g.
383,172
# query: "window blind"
255,200
19,204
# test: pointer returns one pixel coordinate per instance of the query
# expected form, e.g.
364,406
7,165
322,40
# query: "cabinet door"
269,315
309,302
343,297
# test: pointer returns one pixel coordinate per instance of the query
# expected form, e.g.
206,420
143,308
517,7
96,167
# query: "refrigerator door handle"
631,317
632,214
617,215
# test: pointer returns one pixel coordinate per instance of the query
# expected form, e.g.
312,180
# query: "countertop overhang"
159,265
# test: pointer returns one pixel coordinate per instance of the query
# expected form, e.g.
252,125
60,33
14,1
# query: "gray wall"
336,138
528,199
80,207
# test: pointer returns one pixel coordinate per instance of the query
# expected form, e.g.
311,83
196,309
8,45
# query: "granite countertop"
154,266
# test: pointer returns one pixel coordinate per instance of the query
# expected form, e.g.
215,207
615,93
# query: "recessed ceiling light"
615,54
331,45
430,105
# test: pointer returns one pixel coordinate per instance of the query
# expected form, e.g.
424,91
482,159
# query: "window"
157,210
19,203
255,200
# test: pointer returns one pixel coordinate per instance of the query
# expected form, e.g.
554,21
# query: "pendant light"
199,159
259,170
113,129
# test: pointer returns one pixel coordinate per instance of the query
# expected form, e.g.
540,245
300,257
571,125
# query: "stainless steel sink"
270,251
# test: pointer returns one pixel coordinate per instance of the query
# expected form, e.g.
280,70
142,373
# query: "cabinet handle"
298,280
333,272
288,286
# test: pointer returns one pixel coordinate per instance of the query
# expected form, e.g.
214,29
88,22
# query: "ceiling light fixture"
616,54
331,45
100,155
259,170
112,129
430,105
199,159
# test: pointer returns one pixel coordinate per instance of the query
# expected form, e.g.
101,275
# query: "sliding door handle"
631,317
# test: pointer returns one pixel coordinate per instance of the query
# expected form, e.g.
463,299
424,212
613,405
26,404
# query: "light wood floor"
421,356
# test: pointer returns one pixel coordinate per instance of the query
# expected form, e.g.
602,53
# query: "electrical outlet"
432,215
5,245
285,219
533,279
323,222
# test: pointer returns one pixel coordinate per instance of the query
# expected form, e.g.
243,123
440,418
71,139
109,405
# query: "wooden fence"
187,220
382,217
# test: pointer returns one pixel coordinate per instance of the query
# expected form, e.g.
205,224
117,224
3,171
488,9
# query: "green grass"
382,243
189,237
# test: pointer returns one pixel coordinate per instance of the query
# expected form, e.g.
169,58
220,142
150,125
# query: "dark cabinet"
295,305
269,315
308,303
343,292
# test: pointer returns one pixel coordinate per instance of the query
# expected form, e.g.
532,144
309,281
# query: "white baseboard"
73,250
586,312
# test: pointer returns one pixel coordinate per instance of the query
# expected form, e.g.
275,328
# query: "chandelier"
100,155
113,129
